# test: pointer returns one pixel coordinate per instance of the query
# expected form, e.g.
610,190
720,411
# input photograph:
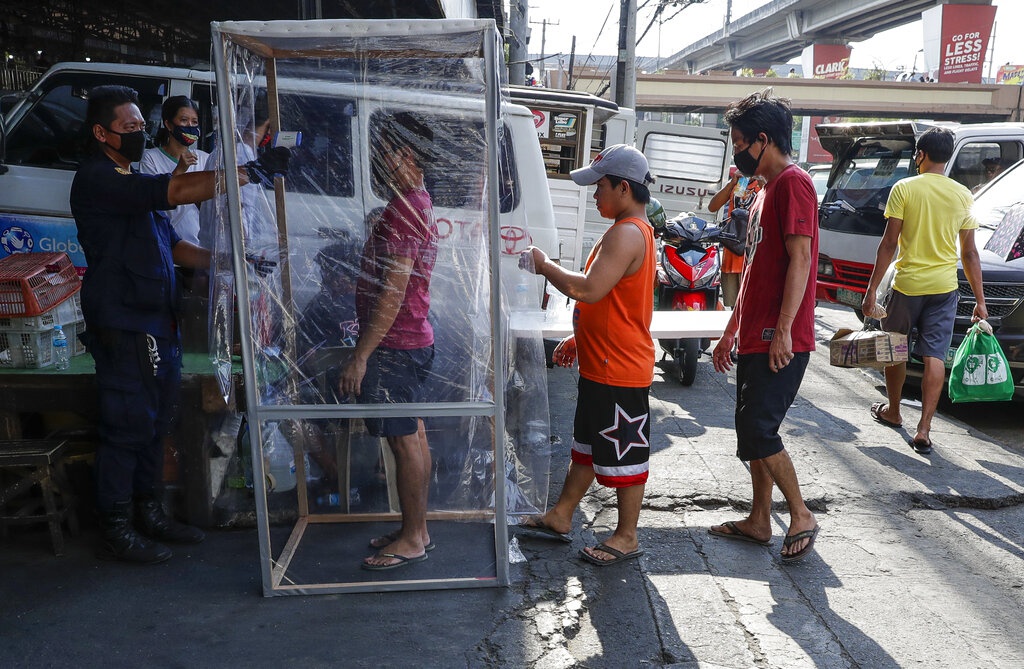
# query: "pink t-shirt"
406,229
786,206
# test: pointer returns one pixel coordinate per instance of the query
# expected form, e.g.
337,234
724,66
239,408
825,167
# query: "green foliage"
876,73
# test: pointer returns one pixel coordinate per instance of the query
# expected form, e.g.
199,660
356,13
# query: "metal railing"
18,78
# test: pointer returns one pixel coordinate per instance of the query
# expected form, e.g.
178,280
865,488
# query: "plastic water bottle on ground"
61,353
279,460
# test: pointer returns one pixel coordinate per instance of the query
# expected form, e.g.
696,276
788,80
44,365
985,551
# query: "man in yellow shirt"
927,214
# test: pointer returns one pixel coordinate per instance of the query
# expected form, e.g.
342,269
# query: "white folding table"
557,323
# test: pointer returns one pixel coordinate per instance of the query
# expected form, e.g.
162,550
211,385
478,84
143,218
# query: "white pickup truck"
690,163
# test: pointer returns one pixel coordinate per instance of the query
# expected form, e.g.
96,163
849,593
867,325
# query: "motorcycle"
689,279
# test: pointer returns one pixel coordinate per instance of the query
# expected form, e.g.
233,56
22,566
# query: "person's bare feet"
552,521
884,414
400,547
624,546
384,541
747,527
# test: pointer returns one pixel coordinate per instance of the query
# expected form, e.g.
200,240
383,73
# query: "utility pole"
572,63
519,22
625,68
543,78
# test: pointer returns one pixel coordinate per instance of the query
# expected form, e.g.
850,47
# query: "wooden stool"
23,464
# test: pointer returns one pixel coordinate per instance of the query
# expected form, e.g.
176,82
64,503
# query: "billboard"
826,61
821,61
1010,74
956,39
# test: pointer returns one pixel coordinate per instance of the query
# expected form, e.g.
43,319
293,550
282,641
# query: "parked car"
819,175
868,158
1003,282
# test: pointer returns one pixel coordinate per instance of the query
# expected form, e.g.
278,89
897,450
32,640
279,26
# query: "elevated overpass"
970,103
779,31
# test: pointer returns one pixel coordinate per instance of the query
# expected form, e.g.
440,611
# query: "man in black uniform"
129,298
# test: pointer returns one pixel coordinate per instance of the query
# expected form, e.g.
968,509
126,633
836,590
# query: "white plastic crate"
67,312
20,349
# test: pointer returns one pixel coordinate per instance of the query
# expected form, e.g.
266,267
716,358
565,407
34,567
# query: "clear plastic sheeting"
397,224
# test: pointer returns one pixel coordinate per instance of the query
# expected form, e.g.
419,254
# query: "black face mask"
132,144
746,163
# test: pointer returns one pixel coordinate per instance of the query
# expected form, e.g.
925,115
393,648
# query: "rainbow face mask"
187,134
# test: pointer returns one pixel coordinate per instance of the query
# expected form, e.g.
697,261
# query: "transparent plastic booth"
389,229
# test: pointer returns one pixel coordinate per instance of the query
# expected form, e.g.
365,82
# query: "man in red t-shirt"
773,317
395,350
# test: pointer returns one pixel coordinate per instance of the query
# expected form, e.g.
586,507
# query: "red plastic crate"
33,283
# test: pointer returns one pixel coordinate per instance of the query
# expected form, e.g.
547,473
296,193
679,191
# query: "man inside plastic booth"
395,349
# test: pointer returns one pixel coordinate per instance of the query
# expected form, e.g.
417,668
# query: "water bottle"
61,354
332,499
278,459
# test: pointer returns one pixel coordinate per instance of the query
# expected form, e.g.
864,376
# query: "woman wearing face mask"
177,152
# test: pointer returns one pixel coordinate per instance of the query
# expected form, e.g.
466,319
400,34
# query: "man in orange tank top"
612,340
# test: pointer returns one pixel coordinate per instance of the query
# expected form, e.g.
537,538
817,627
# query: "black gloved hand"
264,267
273,162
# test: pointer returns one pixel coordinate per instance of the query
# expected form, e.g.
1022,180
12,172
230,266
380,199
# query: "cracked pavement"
918,563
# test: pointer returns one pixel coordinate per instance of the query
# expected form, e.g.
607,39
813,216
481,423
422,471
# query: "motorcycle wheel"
686,355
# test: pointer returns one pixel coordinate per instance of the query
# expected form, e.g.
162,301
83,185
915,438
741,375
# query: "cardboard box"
867,348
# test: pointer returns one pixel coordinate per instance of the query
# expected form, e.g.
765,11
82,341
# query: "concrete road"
919,563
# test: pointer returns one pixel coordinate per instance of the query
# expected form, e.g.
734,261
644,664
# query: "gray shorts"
931,315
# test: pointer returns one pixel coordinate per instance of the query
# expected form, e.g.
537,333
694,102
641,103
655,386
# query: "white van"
689,162
868,159
44,141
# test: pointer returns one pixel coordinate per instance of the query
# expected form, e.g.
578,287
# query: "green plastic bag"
980,371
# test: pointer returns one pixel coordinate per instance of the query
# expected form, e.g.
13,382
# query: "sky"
584,18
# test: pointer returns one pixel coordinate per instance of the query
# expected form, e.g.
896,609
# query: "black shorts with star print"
612,432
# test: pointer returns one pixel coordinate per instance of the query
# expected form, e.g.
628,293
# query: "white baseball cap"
619,160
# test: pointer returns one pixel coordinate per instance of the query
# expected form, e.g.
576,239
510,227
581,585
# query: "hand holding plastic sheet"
273,162
980,370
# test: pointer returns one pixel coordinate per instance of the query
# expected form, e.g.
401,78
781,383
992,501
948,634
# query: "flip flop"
619,555
402,561
921,446
803,552
538,530
385,540
737,534
876,413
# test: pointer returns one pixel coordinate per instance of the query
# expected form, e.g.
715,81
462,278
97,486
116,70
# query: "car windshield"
991,204
870,170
